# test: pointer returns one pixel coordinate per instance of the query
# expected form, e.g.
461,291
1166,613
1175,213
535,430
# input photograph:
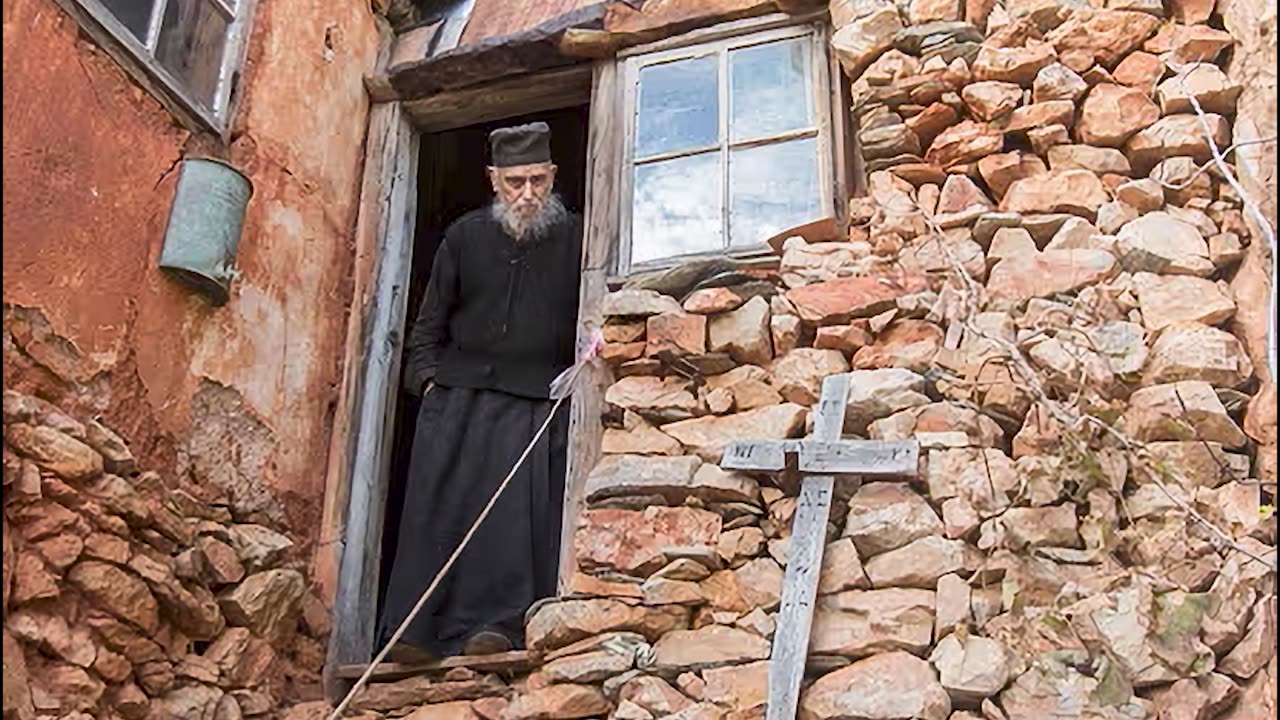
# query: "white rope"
364,678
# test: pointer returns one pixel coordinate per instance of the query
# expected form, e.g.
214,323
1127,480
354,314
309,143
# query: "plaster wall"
234,402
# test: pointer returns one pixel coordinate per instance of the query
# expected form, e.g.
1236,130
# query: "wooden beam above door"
523,94
492,59
592,31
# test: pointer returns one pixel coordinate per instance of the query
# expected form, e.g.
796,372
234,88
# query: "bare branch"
1211,163
1072,421
1265,227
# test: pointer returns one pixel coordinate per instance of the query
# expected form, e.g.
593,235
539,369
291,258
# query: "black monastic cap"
521,145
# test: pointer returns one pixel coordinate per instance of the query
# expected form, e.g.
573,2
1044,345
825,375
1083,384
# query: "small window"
727,143
192,47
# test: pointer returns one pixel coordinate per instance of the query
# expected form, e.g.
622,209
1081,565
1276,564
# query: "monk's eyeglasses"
517,182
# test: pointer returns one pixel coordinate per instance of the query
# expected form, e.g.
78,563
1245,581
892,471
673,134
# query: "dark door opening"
452,181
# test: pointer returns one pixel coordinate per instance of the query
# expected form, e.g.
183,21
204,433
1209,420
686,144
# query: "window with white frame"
726,144
193,47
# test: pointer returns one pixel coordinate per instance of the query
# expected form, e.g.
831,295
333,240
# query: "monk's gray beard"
552,213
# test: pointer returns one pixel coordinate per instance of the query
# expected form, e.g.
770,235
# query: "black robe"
496,326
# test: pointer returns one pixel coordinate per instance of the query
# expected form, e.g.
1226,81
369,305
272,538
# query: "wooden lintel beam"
587,43
379,88
537,92
520,53
564,40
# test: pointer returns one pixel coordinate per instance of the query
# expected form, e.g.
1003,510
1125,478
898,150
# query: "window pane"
191,42
133,14
770,89
678,107
772,188
677,208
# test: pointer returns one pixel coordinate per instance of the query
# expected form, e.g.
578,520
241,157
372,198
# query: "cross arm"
856,457
895,458
758,454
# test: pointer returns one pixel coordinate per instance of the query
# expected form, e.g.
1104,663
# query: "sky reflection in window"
680,166
772,188
677,208
769,90
678,107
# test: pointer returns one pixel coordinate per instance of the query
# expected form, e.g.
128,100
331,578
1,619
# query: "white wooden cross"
824,454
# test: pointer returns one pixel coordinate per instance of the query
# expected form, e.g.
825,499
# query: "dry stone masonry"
126,598
1038,286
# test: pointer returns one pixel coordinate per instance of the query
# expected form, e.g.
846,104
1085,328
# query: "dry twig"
1263,226
1071,421
1211,163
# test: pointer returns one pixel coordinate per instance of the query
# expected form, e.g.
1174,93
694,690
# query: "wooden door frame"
359,448
349,550
600,228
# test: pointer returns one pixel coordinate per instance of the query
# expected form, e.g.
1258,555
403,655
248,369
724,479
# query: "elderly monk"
496,326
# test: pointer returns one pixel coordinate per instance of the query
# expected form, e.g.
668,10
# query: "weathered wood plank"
799,592
760,455
387,213
804,563
879,459
455,24
600,228
828,423
475,64
598,44
561,40
706,27
843,141
668,17
514,661
708,24
414,44
550,90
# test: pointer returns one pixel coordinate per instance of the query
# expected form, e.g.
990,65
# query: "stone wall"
1038,287
127,597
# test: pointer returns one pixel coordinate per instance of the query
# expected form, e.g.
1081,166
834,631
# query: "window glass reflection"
676,208
134,15
769,90
678,106
191,41
772,188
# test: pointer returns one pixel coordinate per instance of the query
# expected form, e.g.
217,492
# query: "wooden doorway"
397,232
451,182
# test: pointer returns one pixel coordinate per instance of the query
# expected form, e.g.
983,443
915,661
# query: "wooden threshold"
514,661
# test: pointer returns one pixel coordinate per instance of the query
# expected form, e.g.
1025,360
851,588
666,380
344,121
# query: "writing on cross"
821,456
